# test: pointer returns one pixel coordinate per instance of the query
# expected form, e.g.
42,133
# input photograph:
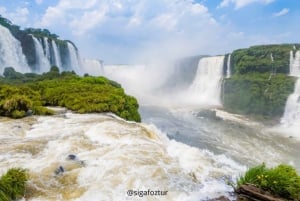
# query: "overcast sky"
132,31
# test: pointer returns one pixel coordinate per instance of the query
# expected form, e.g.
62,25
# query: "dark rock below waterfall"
210,114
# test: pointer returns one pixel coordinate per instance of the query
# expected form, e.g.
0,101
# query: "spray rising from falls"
42,62
291,117
11,52
206,87
93,67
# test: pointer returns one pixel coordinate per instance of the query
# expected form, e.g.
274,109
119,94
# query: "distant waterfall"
74,60
46,48
291,117
206,87
57,59
11,52
228,70
42,63
295,64
93,67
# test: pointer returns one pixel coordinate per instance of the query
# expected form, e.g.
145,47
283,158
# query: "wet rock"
71,157
59,170
210,114
29,113
252,193
221,198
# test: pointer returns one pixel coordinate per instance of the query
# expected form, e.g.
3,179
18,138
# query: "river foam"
112,157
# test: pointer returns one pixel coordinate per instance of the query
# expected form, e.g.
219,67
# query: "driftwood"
251,192
221,198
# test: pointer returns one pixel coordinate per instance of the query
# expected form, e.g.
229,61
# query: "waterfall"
74,61
11,52
206,87
295,64
291,117
228,71
93,67
47,48
57,59
42,61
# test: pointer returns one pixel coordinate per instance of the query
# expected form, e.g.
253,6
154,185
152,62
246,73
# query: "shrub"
282,180
12,184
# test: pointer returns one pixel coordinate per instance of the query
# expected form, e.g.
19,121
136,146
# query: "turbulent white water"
206,87
11,52
112,157
93,67
42,64
74,60
228,71
56,52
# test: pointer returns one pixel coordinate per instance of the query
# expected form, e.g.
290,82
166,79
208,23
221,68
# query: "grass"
12,184
282,180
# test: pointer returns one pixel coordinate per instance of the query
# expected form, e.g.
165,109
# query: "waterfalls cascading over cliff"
11,52
30,52
42,64
291,117
74,60
196,84
206,87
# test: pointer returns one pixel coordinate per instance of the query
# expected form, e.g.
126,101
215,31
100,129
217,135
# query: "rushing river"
173,151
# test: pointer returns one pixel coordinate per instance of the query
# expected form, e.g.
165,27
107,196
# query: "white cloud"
284,11
242,3
19,16
38,1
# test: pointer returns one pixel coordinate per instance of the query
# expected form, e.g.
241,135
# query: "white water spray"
93,67
42,64
206,87
57,59
11,52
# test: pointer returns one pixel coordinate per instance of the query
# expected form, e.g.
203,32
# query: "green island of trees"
260,84
30,92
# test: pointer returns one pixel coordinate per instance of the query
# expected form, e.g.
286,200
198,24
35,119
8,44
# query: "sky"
139,31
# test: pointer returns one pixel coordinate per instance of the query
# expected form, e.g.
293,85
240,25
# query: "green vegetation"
282,180
257,93
20,93
12,184
258,59
259,84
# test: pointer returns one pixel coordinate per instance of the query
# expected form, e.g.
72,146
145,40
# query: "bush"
12,184
282,180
